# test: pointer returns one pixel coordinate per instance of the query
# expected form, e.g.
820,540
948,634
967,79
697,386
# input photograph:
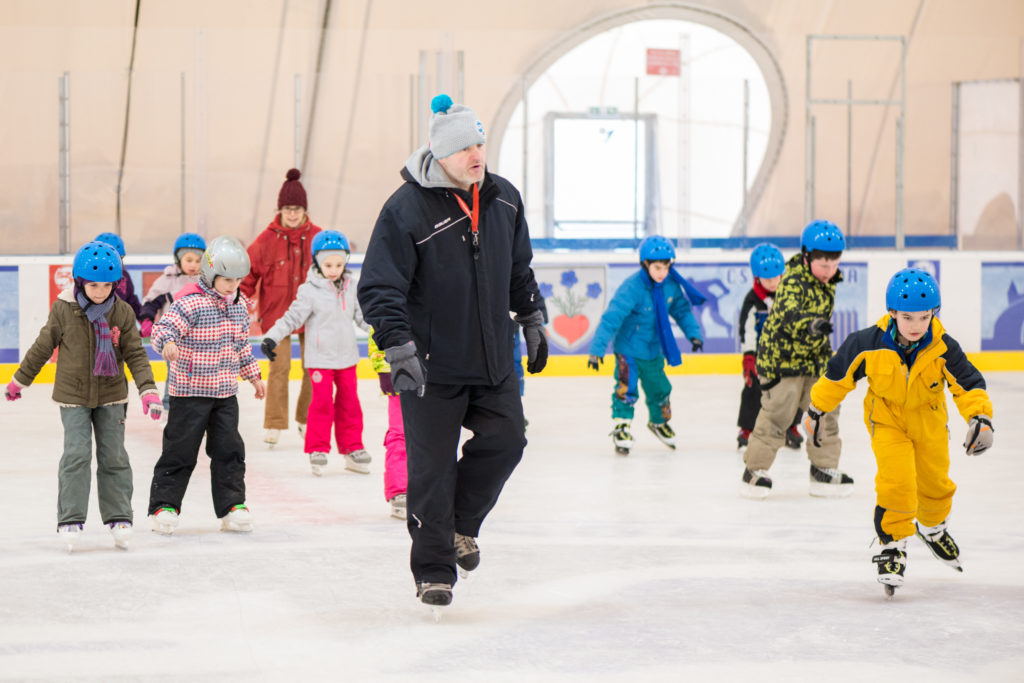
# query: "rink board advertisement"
9,314
1002,306
576,296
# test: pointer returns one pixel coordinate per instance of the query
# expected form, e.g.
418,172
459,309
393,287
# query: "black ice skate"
435,596
621,437
756,484
793,438
891,562
941,544
467,553
830,483
664,432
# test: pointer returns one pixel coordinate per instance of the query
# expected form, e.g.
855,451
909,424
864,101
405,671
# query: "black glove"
696,345
536,341
267,347
594,362
408,373
819,327
812,423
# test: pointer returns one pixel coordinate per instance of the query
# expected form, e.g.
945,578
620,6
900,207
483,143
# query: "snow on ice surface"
594,566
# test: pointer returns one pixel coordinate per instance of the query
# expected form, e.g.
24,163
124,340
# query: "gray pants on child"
113,471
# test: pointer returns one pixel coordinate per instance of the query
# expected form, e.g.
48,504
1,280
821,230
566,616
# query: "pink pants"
395,473
341,409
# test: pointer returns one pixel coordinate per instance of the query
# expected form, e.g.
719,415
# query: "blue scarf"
665,336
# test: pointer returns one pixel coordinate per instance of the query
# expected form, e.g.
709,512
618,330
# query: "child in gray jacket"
326,304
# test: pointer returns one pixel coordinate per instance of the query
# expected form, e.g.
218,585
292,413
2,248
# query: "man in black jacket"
448,260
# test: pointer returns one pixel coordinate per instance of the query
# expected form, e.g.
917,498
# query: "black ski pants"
189,419
448,494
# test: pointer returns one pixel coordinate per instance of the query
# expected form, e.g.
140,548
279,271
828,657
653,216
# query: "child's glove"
812,423
267,347
819,327
146,328
386,387
979,435
13,391
696,345
152,406
749,369
536,341
594,362
407,370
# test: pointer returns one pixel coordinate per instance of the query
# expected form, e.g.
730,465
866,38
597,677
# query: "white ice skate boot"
398,508
122,533
271,437
621,437
238,519
165,520
891,561
755,484
317,460
70,533
467,554
664,432
942,545
830,483
358,461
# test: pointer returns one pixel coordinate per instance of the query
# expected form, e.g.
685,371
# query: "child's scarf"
668,340
106,361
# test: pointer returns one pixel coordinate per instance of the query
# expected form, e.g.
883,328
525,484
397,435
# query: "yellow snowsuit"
905,413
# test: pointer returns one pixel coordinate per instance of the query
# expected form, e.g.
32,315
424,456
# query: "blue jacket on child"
631,320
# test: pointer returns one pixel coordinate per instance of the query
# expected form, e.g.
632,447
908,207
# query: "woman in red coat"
280,258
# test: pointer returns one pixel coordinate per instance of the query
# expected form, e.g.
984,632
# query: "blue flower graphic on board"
575,298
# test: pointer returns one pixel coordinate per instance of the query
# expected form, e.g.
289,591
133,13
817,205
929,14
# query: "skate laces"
465,545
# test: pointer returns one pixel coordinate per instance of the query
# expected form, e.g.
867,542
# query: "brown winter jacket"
68,330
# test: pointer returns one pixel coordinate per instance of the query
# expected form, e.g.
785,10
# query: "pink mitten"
152,406
146,328
115,335
13,391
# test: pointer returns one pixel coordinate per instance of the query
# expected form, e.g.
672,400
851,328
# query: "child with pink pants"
326,305
395,473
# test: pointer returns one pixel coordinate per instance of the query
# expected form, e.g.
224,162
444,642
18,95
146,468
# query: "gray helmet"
225,256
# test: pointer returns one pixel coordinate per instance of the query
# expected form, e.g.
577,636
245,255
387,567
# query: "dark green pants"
113,471
630,375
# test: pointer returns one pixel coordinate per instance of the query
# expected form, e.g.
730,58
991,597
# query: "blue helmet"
113,240
329,240
188,240
97,262
766,261
657,248
823,236
911,290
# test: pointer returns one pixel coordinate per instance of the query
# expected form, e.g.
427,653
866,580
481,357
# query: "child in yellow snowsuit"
909,359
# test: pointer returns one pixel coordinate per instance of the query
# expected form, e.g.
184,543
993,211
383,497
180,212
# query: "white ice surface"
594,566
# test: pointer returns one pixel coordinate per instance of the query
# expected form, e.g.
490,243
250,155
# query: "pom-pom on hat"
453,127
292,193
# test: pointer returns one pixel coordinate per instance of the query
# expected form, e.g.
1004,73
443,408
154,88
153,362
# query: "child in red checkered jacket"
205,337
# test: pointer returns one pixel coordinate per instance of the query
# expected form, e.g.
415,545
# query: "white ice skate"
70,533
358,461
827,482
165,520
317,461
435,596
238,519
621,437
891,562
664,432
271,437
398,508
942,545
122,533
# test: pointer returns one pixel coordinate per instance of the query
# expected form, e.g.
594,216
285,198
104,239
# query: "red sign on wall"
662,62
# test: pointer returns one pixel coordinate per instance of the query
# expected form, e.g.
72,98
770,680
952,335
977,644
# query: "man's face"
466,167
824,269
293,216
226,285
190,263
912,325
97,292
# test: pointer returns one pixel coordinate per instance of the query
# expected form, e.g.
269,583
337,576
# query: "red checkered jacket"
212,337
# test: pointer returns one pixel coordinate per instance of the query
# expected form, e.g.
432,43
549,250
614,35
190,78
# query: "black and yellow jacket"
905,389
786,347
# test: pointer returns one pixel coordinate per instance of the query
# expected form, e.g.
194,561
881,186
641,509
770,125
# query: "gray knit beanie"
453,127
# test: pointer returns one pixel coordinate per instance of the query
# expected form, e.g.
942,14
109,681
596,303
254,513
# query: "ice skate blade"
356,467
621,450
163,529
822,490
436,611
235,527
890,592
754,492
317,470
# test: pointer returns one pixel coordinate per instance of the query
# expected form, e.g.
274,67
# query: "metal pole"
683,166
812,209
182,151
808,138
297,105
64,162
849,154
636,156
526,144
421,100
954,166
461,57
1020,166
900,229
412,112
746,136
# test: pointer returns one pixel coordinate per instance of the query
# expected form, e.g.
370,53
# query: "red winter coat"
280,257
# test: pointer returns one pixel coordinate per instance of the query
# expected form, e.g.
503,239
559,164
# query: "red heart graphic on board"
572,328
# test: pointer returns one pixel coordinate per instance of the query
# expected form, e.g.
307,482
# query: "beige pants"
275,415
778,405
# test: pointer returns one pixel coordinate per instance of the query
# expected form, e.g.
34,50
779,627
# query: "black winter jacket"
423,280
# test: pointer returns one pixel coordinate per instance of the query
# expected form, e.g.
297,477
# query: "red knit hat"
292,193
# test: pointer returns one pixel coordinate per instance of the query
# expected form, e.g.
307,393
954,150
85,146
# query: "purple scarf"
106,361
